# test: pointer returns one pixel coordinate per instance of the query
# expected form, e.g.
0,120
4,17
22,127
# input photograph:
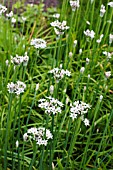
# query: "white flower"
25,136
38,43
89,33
80,51
32,130
10,14
41,142
37,86
59,73
74,5
25,59
20,59
102,10
107,54
11,87
82,69
16,88
79,109
75,43
110,4
67,100
109,21
17,144
48,134
99,40
51,105
84,88
87,60
88,76
3,9
73,115
56,16
19,87
87,22
31,5
101,97
24,18
40,135
110,38
108,74
86,122
7,62
51,89
70,54
59,27
13,20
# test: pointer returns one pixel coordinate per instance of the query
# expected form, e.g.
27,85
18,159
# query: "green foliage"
73,146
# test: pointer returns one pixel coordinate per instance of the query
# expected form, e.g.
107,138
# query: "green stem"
34,156
7,132
76,128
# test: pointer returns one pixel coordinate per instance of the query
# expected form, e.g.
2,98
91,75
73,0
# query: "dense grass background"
74,146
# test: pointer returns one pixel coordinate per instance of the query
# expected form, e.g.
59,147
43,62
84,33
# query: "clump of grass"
56,86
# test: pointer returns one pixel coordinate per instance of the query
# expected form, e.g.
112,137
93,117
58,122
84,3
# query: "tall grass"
73,145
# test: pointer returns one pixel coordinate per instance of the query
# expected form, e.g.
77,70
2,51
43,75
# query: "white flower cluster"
38,43
89,33
3,9
59,27
79,109
20,59
74,5
40,135
102,10
16,88
51,105
59,73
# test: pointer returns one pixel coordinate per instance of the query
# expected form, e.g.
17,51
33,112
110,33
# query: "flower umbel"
20,59
59,27
40,135
51,105
79,109
16,88
38,43
74,5
89,33
59,73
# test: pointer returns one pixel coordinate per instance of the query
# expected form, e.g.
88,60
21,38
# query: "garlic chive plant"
56,94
